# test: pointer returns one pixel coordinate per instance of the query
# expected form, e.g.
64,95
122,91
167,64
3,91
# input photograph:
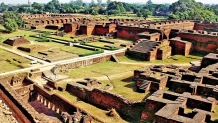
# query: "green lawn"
126,87
61,47
119,74
100,44
75,50
97,70
13,64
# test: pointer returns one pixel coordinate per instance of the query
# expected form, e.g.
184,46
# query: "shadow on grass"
199,53
4,31
134,58
132,83
192,58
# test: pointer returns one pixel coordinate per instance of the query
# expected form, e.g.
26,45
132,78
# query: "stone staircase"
144,85
181,100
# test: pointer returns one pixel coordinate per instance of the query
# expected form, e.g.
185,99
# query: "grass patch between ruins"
215,114
119,75
10,61
98,70
176,59
90,109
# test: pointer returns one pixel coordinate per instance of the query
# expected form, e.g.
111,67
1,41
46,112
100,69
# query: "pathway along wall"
65,67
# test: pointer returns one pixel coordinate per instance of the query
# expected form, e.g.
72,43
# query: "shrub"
43,40
92,53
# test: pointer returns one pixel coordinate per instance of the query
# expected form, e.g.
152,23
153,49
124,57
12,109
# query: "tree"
3,7
53,6
99,2
115,7
92,4
108,2
79,2
38,7
12,21
14,16
185,5
149,2
10,25
146,13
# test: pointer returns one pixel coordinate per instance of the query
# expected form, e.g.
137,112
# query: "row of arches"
30,16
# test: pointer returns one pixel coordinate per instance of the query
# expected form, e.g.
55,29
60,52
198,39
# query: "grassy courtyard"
120,76
10,61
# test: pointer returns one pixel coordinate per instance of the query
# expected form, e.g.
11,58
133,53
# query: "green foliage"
12,21
53,6
43,39
3,7
10,25
115,7
37,8
92,53
46,33
192,10
185,5
195,14
149,2
173,16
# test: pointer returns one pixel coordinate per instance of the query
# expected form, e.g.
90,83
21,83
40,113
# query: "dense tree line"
95,7
182,9
190,9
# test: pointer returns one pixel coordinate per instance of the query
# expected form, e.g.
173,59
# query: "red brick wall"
100,98
70,28
101,30
16,112
207,43
202,26
182,48
162,54
58,101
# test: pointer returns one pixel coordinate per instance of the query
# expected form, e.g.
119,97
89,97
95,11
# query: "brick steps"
144,85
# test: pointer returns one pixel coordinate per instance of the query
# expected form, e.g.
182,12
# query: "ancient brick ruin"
186,89
184,36
16,41
30,103
177,93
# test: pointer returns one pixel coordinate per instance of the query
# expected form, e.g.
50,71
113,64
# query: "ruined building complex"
163,38
176,94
